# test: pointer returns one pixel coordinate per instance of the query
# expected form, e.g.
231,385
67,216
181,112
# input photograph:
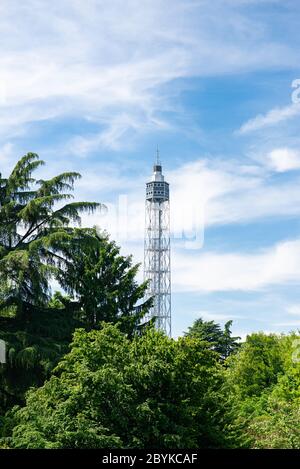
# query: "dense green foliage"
147,392
31,230
220,341
102,283
150,391
38,244
264,378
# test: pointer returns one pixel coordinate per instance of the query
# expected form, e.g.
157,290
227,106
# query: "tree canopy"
217,339
39,243
111,391
264,379
32,227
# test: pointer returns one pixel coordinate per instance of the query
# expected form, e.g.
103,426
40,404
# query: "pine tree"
38,243
31,228
218,340
101,282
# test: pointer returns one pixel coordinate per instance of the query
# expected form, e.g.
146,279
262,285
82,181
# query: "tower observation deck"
157,249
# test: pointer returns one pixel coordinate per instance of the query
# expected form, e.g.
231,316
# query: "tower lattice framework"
157,268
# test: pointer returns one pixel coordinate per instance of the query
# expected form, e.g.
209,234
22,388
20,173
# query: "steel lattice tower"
157,248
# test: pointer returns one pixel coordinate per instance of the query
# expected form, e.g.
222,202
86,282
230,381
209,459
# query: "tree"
277,427
265,379
38,244
218,340
101,282
31,228
257,366
110,391
33,348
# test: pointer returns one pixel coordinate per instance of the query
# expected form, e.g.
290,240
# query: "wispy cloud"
293,323
6,158
214,316
229,192
89,59
294,310
271,118
213,271
80,77
204,193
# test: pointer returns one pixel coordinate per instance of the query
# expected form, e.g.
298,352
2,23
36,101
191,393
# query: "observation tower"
157,248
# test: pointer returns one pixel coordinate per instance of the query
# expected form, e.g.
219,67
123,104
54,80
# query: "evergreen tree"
37,244
218,340
101,282
31,228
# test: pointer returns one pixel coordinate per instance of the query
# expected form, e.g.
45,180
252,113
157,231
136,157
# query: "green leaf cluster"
40,243
149,391
264,379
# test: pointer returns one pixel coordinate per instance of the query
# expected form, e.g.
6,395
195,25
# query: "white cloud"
284,159
107,62
229,194
103,180
7,158
198,195
294,310
204,193
273,117
293,323
213,316
213,271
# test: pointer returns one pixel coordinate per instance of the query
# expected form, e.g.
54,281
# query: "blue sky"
96,85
